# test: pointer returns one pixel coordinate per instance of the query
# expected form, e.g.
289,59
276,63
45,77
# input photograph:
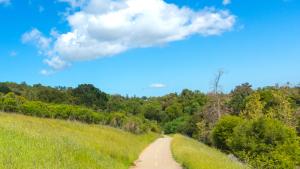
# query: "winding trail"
157,156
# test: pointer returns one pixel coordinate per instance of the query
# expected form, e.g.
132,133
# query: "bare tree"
217,91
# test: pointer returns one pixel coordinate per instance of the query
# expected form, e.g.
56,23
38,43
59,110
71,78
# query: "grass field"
35,143
195,155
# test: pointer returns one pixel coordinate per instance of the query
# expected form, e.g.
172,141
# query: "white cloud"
56,63
36,37
75,3
46,72
157,85
226,2
4,2
54,33
103,28
44,45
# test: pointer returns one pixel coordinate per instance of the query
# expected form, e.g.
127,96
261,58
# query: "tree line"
259,126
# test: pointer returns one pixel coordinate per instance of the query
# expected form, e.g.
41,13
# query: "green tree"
50,95
253,106
192,101
134,106
277,105
271,103
4,89
238,98
152,110
179,125
116,103
90,96
174,111
223,131
266,144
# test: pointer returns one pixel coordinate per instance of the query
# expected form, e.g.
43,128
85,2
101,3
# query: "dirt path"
157,156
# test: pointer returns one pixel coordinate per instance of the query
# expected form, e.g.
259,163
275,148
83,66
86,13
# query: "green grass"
195,155
35,143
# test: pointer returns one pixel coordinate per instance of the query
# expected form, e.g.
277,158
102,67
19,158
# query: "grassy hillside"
33,143
195,155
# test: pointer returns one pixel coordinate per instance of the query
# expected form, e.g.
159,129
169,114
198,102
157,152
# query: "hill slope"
195,155
27,142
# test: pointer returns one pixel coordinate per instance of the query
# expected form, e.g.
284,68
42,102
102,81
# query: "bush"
116,119
134,125
266,143
176,126
35,108
154,127
12,103
224,130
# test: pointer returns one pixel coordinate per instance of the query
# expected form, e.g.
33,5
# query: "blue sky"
255,41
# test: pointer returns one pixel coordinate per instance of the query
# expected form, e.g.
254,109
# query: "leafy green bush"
12,103
134,125
223,131
266,143
176,126
130,123
35,108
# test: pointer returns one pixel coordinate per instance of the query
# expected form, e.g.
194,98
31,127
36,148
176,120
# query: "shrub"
134,125
35,108
153,126
12,103
61,111
116,119
176,126
266,143
223,130
4,89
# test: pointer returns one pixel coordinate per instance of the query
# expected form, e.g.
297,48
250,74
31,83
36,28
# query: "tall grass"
195,155
35,143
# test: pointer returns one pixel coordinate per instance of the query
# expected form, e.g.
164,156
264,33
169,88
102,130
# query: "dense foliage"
223,130
213,118
266,143
17,104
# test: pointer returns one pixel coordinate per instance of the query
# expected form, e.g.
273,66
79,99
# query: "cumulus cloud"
103,28
226,2
75,3
56,63
157,85
4,2
36,37
46,72
45,46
